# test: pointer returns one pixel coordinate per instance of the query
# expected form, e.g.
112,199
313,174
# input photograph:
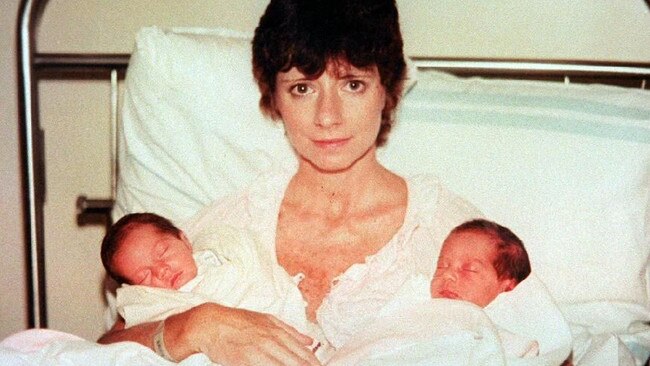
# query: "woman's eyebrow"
283,79
354,75
349,70
354,71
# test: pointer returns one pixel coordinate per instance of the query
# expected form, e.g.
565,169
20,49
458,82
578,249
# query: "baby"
479,260
165,274
224,265
504,314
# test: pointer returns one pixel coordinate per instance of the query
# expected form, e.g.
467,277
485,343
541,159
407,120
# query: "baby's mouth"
448,294
174,280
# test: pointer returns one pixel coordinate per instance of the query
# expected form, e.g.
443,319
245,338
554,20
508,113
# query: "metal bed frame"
34,66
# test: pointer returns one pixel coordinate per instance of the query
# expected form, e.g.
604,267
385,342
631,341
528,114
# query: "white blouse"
364,288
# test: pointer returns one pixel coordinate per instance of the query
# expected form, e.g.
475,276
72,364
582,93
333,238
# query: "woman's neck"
336,194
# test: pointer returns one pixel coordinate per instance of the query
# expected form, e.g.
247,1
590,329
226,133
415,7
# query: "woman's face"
332,122
150,257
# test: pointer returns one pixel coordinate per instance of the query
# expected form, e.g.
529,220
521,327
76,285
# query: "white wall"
555,29
560,29
75,114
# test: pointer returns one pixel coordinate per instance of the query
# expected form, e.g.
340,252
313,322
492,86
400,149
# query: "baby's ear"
508,284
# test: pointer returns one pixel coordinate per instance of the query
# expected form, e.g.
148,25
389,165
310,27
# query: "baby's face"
465,270
149,257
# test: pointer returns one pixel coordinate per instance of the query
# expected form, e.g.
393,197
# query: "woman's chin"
338,163
330,167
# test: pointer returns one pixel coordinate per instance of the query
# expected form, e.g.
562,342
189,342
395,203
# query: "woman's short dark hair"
511,261
120,229
307,34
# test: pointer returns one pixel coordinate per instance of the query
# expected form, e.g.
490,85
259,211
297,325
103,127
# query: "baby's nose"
161,272
450,275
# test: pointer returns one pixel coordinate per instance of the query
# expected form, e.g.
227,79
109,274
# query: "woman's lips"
331,143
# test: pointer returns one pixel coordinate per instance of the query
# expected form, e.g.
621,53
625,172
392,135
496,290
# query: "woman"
348,229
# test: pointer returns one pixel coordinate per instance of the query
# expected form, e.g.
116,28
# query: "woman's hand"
232,336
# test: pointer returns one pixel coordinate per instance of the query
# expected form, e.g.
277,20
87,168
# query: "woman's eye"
355,85
300,89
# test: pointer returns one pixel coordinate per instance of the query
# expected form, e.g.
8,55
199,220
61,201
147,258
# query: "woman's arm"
226,335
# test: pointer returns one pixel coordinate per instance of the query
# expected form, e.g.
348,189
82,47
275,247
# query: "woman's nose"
329,109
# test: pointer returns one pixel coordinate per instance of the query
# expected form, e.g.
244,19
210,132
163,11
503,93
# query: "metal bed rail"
627,74
34,66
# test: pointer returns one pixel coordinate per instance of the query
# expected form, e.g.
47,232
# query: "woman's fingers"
241,337
284,350
305,340
281,344
296,343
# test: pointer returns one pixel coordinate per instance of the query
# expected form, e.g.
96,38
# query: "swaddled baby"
478,261
500,313
162,273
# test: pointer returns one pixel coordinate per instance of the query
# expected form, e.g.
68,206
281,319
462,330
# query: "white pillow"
566,167
191,129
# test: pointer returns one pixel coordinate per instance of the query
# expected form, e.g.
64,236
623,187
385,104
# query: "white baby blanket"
416,330
233,271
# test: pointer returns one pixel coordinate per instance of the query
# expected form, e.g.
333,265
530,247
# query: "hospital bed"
557,150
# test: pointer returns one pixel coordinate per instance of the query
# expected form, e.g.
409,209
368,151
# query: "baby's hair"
511,261
125,225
